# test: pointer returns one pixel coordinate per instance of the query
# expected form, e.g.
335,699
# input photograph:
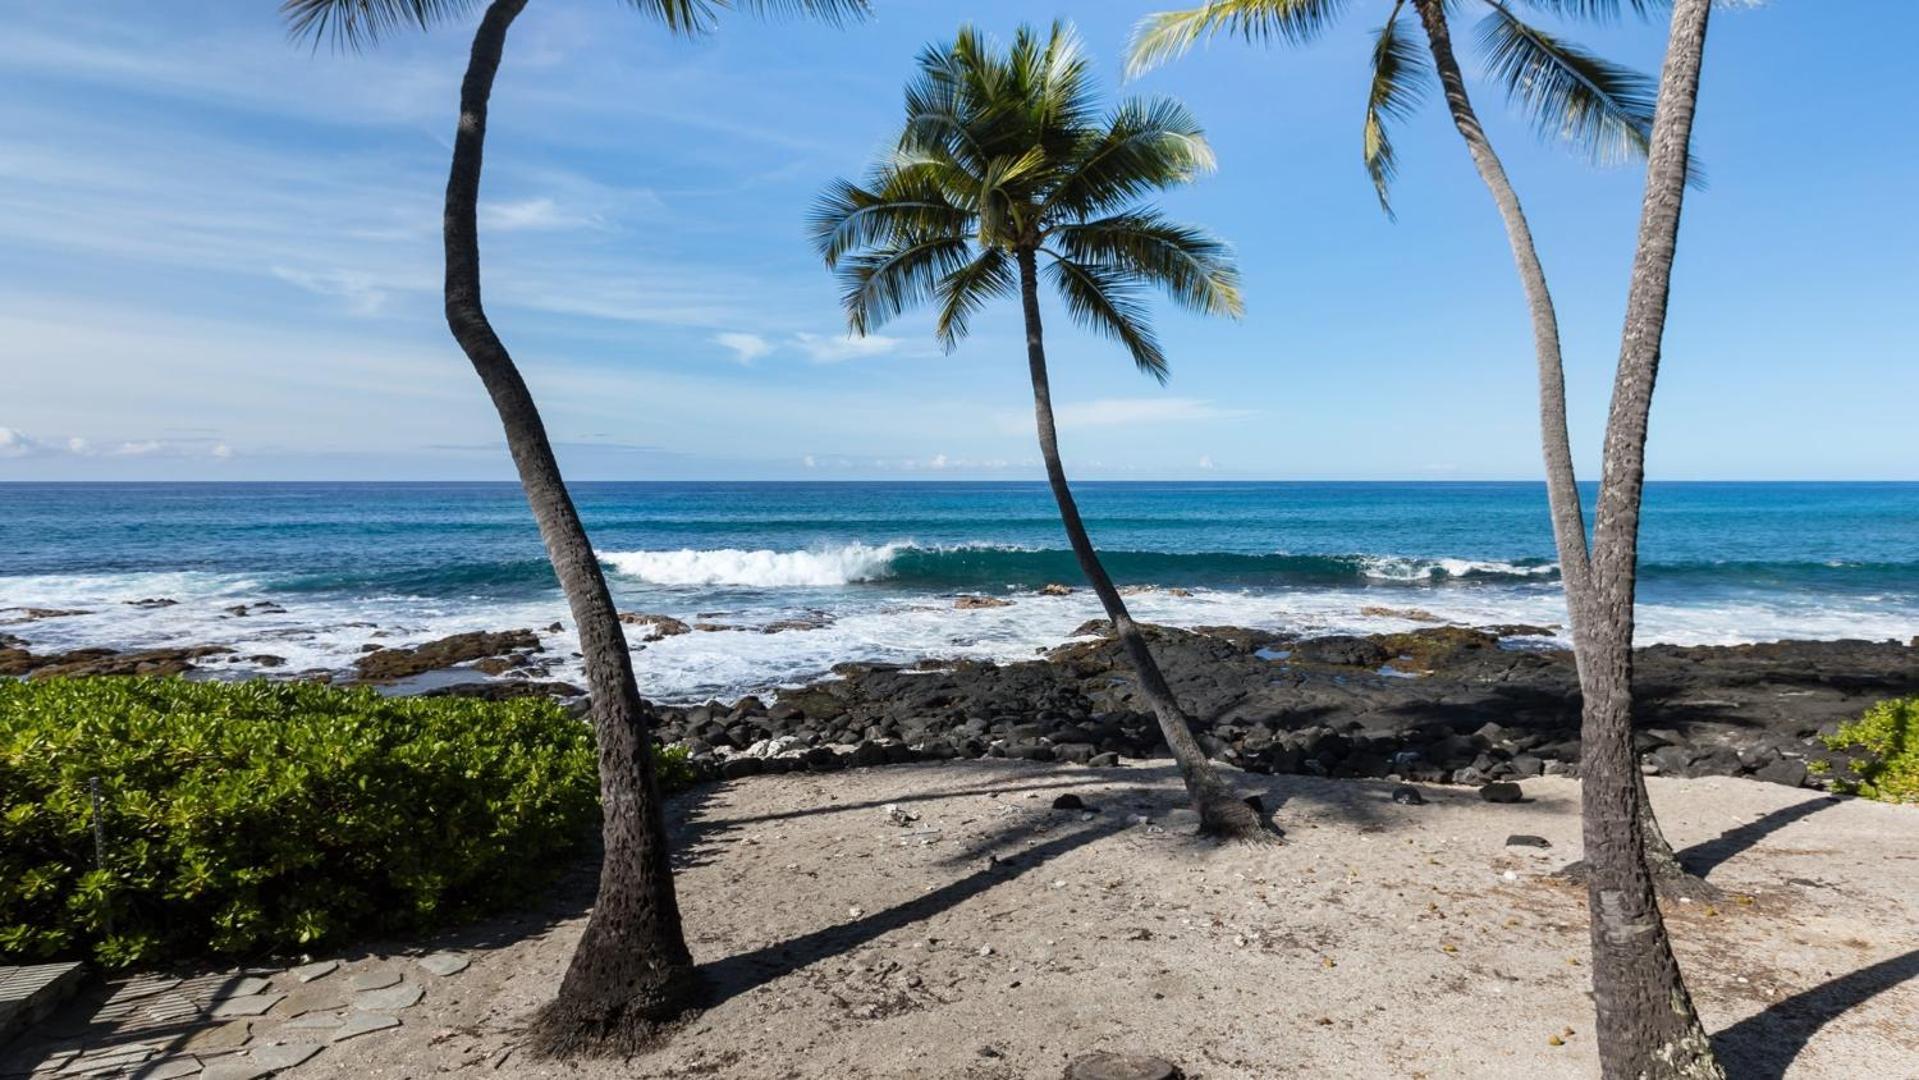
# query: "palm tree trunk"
1562,487
1647,1027
631,970
1221,813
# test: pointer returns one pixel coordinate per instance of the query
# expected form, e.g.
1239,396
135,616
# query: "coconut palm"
1647,1026
1003,173
631,973
1571,96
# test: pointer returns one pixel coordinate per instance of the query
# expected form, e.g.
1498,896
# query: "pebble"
1406,795
1528,840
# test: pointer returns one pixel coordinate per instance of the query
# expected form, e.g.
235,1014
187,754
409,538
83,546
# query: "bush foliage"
245,817
1889,735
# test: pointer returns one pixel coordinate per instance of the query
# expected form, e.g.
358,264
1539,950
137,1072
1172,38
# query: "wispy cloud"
1127,412
537,213
746,348
822,349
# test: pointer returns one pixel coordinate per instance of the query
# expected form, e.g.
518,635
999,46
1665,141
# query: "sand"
992,936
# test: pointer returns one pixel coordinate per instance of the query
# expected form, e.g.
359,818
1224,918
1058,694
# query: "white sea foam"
762,568
1403,568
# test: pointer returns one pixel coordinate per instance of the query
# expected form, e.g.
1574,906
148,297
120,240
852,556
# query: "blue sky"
219,258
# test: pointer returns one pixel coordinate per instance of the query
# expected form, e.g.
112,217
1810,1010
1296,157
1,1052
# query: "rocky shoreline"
1442,704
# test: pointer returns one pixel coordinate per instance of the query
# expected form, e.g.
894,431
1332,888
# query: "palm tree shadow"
1706,856
1761,1047
737,974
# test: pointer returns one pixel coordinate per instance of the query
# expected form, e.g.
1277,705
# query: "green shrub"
245,817
1889,735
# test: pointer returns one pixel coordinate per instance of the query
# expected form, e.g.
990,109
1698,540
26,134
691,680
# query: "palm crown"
1003,160
1569,94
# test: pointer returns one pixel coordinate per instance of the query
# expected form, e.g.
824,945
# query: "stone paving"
241,1024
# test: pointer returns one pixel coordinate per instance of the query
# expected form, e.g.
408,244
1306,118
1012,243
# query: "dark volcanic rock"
388,664
1502,791
85,662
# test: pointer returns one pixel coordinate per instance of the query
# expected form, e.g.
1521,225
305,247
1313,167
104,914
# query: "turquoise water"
1720,562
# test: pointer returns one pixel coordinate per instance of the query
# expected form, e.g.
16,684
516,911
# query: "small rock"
445,963
967,603
1502,791
1104,1066
1069,802
900,816
1107,760
1407,795
1528,840
986,950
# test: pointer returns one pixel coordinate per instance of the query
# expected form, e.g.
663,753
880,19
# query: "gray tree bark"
631,972
1221,813
1562,485
1647,1027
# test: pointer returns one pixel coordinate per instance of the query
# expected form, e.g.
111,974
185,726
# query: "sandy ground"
997,937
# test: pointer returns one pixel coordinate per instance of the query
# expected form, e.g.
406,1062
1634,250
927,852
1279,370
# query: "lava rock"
1502,791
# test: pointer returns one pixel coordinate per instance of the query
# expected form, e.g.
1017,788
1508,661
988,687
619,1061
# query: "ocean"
880,563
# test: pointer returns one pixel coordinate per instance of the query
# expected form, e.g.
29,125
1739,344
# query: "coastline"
1445,704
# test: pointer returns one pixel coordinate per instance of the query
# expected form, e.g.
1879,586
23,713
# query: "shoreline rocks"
1444,704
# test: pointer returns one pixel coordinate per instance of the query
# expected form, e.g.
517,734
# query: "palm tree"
1004,163
1647,1026
631,973
1571,95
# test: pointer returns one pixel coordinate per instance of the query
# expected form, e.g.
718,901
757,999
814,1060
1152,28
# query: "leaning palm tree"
631,974
1571,95
1003,172
1647,1026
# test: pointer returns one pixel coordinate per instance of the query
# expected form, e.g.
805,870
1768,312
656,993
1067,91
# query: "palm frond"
1193,266
831,12
880,283
966,290
1168,35
1569,94
1594,10
353,24
1146,145
1400,71
898,206
1104,300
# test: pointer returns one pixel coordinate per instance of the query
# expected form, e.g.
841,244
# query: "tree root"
1244,821
1670,881
559,1030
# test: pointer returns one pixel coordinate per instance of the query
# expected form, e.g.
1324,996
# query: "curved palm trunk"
1221,813
631,970
1562,487
1647,1027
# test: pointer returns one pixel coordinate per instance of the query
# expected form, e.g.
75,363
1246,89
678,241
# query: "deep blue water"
1720,561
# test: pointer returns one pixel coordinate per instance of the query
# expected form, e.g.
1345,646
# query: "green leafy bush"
244,817
1889,735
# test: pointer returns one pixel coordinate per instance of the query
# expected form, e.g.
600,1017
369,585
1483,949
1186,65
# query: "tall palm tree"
1647,1026
1571,95
1004,163
631,973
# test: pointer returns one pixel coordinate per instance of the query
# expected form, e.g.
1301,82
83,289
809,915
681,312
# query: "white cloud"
1206,462
1126,412
221,451
528,214
746,347
16,443
362,295
822,349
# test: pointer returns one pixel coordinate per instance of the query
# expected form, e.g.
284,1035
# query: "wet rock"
88,662
660,625
1055,589
152,602
389,664
969,603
